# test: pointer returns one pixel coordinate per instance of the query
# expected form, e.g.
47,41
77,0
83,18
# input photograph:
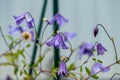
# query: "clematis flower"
69,35
8,78
27,17
59,19
57,41
100,49
99,66
86,49
13,30
95,31
62,69
25,35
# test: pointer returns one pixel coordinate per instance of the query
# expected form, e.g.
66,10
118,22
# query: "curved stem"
4,37
71,49
111,39
114,75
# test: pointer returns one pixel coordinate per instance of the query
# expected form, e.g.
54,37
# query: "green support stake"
38,35
56,27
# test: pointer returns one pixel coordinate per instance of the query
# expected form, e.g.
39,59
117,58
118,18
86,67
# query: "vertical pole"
55,28
38,35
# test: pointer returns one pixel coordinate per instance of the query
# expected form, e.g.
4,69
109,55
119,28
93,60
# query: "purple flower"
99,66
69,35
13,30
95,31
57,41
8,78
26,35
86,49
100,49
59,18
25,16
62,69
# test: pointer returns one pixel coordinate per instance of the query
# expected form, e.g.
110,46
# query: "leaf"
21,52
73,74
28,45
40,59
15,70
94,59
81,69
35,72
95,77
54,75
100,61
71,67
87,70
10,37
21,73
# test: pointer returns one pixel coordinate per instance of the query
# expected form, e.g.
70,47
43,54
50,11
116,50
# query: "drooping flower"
27,17
8,78
57,41
69,35
62,69
100,49
13,30
59,19
99,66
95,31
25,35
86,49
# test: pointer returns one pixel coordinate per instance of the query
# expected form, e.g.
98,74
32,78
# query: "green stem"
111,39
36,41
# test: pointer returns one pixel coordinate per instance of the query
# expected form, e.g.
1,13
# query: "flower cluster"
59,40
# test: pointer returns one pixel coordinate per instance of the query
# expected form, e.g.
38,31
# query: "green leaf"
25,72
71,67
15,70
99,61
40,59
21,73
28,45
21,52
35,72
95,77
54,75
87,70
81,69
10,37
94,59
73,74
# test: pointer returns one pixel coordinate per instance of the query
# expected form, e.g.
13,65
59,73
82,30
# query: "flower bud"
95,31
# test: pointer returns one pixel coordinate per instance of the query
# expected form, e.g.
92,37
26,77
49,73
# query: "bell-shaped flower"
98,67
95,31
69,35
59,19
57,41
86,49
8,78
100,49
62,69
27,17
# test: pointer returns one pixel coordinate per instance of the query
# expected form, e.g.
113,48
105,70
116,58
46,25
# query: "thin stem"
4,37
100,70
40,49
10,49
71,49
114,76
111,39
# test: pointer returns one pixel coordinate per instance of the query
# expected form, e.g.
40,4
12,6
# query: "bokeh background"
83,16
